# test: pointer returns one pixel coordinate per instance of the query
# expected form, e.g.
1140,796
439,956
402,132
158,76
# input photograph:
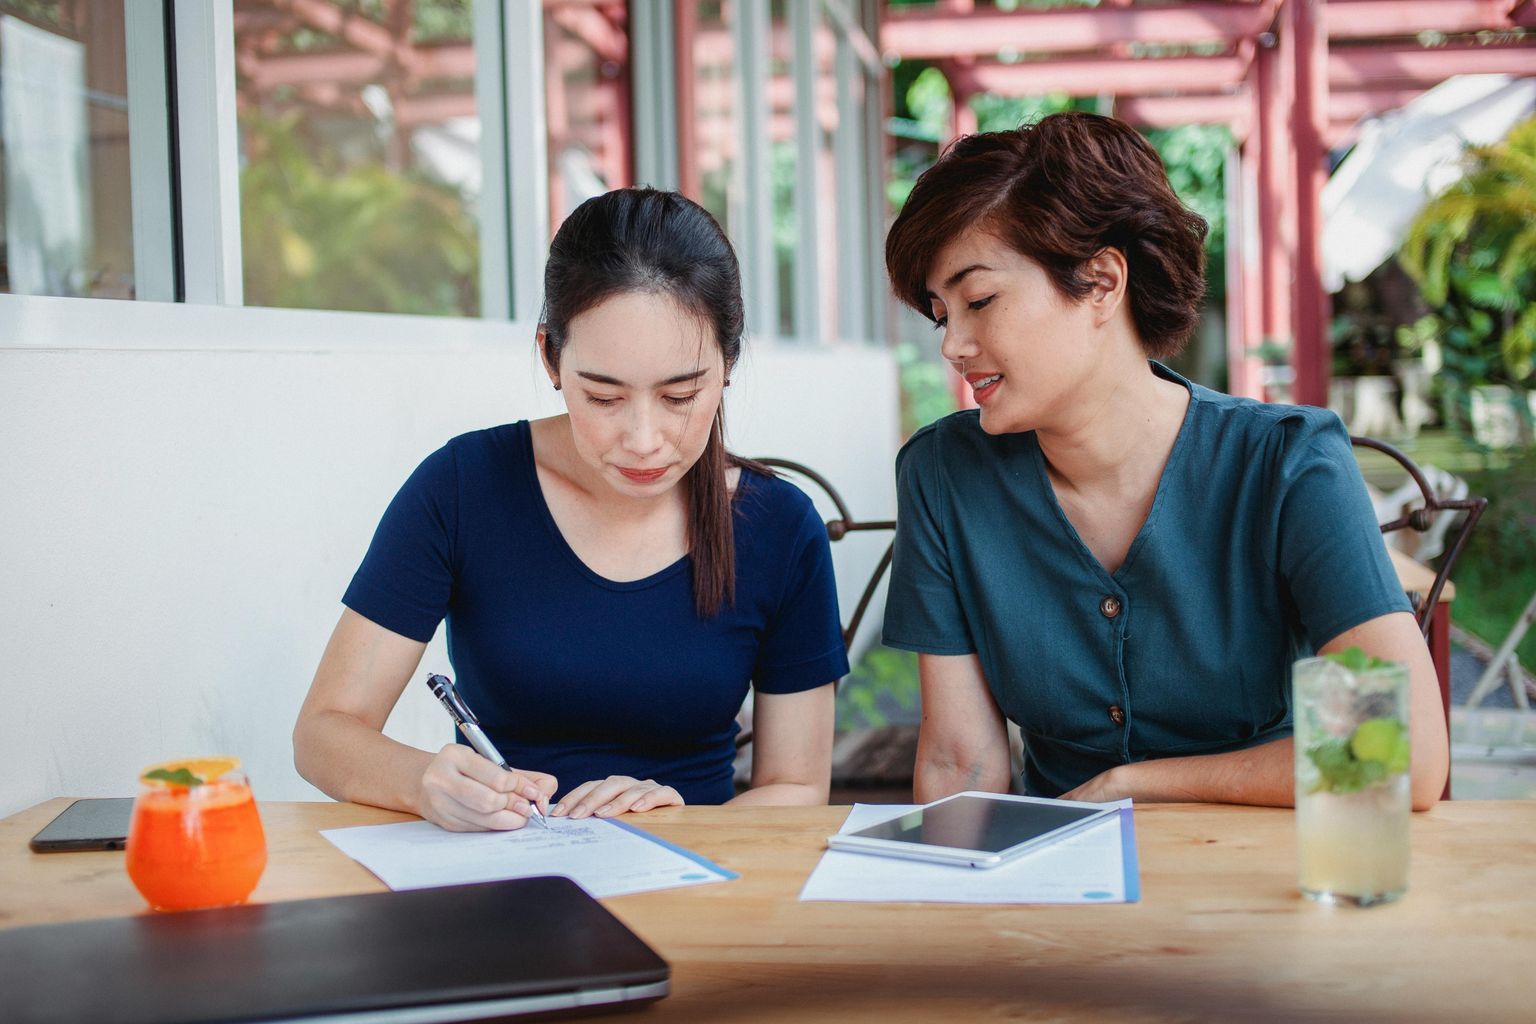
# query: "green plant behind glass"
322,234
1472,252
883,679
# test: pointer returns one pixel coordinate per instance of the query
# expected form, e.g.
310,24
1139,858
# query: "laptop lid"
529,945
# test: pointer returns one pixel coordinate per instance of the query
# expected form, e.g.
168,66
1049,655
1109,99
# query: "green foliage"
45,12
1002,113
922,116
882,678
322,235
1497,572
1196,158
926,394
437,20
1472,252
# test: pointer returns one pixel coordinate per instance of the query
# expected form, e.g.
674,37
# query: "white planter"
1414,377
1501,416
1374,413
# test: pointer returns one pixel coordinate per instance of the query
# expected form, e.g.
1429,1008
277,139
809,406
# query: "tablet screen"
976,823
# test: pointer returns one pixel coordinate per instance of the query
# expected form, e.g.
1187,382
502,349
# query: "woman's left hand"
617,794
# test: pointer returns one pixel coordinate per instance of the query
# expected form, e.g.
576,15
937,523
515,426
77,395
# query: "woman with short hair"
1122,562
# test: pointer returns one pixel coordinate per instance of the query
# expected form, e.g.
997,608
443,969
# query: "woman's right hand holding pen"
463,792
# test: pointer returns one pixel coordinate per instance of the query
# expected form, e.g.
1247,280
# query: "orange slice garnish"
192,771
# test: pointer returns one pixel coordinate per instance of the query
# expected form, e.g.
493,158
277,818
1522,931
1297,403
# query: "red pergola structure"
1290,77
433,82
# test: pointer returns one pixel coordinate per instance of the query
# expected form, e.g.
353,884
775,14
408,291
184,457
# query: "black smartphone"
93,824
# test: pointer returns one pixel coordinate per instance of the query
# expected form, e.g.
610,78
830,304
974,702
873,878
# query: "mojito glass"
1352,793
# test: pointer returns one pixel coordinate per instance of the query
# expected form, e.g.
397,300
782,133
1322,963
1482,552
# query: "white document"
1096,865
604,857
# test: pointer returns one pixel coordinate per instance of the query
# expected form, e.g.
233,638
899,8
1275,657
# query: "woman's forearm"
936,776
1262,776
783,794
347,760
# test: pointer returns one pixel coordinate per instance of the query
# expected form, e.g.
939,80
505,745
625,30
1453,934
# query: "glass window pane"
587,86
714,117
360,155
826,114
66,209
782,158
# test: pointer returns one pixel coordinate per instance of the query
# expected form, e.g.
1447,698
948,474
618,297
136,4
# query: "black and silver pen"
443,689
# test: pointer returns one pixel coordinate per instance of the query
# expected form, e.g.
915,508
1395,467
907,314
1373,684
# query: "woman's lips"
643,476
983,386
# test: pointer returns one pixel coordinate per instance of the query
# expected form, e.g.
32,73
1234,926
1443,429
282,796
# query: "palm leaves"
1472,252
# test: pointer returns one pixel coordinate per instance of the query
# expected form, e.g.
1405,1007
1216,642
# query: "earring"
727,383
557,385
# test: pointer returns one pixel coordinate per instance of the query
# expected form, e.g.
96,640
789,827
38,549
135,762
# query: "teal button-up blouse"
1261,546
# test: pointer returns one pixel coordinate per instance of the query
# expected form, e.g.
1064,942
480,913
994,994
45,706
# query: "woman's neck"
1119,428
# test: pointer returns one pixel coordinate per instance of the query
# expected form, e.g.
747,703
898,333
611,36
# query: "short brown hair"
1059,192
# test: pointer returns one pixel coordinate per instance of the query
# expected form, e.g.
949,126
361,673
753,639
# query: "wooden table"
1220,932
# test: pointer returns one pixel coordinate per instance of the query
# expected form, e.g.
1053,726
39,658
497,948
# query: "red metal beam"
937,34
593,28
1167,111
1345,107
684,28
355,29
1353,67
1350,69
1312,355
448,60
299,69
1358,19
934,34
1092,77
1273,73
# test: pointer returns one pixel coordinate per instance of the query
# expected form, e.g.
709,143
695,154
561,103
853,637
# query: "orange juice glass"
195,843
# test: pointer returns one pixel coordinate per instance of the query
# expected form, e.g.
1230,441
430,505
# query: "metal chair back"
1422,518
840,527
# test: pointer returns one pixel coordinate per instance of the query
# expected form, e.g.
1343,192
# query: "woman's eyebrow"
681,378
959,276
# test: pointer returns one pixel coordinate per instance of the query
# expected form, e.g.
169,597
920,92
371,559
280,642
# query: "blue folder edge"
702,861
1128,856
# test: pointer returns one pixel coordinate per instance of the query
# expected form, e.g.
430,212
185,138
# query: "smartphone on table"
979,830
89,824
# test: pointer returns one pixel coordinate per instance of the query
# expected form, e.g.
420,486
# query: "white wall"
186,490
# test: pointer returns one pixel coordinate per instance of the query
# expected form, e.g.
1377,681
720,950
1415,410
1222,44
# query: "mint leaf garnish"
1356,660
1383,742
179,777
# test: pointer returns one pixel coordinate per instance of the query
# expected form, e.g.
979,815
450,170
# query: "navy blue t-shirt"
581,676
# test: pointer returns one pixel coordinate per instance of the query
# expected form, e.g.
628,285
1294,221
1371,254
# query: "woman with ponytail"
613,579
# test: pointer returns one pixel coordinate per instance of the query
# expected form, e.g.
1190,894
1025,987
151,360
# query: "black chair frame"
1422,518
839,528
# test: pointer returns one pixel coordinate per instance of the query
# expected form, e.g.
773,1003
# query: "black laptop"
464,952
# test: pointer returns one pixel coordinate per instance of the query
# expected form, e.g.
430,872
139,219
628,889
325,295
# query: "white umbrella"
1406,157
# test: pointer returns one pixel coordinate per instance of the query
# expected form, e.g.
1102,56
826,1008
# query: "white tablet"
981,830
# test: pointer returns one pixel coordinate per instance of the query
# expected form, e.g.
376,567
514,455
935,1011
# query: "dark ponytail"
645,240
